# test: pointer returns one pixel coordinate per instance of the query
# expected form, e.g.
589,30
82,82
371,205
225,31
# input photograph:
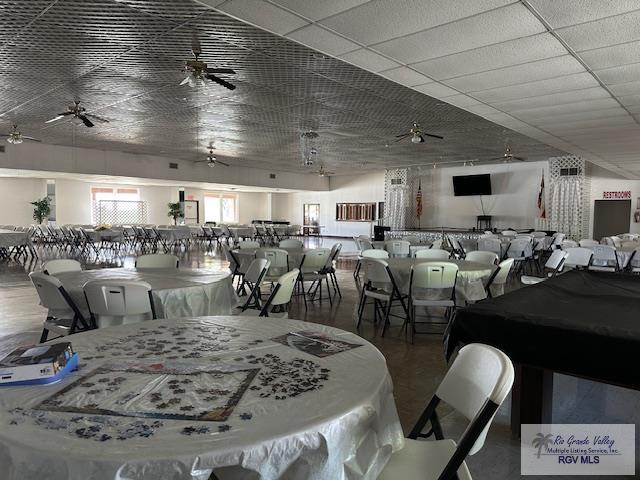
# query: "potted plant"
175,211
42,209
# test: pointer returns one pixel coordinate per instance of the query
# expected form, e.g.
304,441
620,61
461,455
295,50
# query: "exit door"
611,217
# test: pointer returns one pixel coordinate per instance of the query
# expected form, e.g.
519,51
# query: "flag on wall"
419,200
542,212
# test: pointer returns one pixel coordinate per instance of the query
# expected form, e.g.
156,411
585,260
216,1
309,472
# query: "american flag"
419,200
542,212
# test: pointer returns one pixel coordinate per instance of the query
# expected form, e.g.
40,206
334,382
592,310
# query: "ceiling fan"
15,137
324,173
80,113
508,156
198,71
416,134
211,159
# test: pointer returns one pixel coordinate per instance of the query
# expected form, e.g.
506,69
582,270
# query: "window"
220,207
117,205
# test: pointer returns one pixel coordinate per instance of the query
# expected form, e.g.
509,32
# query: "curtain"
396,208
566,206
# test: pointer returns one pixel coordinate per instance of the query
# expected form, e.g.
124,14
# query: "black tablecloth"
579,323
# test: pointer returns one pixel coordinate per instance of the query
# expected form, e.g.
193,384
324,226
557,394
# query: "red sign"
624,195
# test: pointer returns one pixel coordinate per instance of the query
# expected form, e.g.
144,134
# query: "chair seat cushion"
422,460
432,303
61,326
378,294
528,280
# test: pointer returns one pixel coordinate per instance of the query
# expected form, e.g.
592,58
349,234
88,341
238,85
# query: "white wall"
251,205
367,187
605,181
56,158
513,202
15,197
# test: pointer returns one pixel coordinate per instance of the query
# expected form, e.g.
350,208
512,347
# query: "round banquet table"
106,234
470,282
176,292
174,234
175,400
245,255
11,238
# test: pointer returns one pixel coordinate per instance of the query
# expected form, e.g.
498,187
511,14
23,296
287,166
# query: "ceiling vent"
1,148
173,165
272,175
569,172
396,181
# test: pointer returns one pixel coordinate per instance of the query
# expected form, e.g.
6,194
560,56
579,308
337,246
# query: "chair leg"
361,304
386,317
45,334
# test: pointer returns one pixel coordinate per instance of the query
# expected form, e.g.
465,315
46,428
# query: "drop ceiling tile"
372,61
624,89
612,56
482,110
622,74
561,13
541,87
316,10
518,74
496,26
559,98
600,118
513,52
462,100
323,40
579,116
405,76
602,33
264,15
582,106
437,90
381,20
630,100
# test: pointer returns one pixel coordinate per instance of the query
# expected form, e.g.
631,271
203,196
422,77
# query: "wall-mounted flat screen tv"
465,185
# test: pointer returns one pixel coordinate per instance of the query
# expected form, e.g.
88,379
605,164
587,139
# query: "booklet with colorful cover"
315,343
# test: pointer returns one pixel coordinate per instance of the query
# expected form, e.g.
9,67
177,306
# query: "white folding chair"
489,258
433,253
280,297
521,250
558,238
475,386
157,260
290,243
253,278
63,316
278,262
412,239
313,269
248,244
498,279
605,259
566,244
578,257
538,235
432,284
587,243
509,233
490,244
554,264
53,267
397,248
380,286
118,302
374,253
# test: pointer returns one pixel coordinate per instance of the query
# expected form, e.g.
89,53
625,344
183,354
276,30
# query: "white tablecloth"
10,238
174,234
177,293
299,416
246,255
100,235
469,285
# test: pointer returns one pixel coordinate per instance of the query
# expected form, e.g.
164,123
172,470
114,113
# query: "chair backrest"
519,248
538,234
509,233
316,259
412,239
374,253
375,271
604,256
50,291
278,259
365,244
578,257
558,238
504,268
118,299
588,243
437,244
556,260
248,244
434,253
287,283
157,260
569,244
61,265
490,244
433,275
480,376
480,256
397,248
290,243
257,270
230,257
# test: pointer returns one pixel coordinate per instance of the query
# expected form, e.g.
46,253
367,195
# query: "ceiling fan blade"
399,139
86,121
4,135
95,117
222,163
221,70
222,82
434,136
60,116
522,159
31,138
404,135
185,81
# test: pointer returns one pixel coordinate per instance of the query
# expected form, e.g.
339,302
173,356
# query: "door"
611,217
311,214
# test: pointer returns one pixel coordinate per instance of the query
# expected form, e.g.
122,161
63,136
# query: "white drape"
566,205
397,208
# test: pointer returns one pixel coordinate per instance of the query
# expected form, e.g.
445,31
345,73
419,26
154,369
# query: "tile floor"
416,368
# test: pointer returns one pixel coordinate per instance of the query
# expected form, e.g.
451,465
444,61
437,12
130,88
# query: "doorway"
311,218
611,217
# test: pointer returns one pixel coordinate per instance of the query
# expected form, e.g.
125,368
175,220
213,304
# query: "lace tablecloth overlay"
179,398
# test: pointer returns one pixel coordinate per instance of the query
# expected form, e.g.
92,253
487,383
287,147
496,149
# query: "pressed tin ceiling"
123,60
